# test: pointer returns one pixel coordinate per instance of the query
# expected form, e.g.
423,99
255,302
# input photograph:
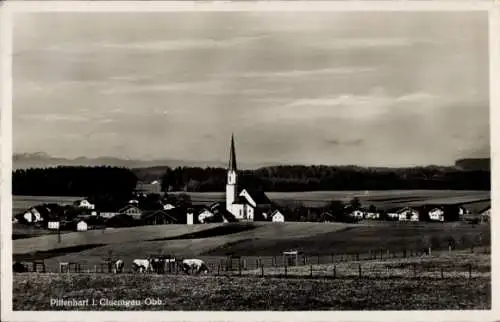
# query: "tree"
355,203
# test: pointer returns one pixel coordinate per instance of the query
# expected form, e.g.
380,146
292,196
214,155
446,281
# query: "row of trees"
307,178
73,181
87,181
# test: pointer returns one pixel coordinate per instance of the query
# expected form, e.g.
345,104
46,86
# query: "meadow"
180,292
383,199
212,243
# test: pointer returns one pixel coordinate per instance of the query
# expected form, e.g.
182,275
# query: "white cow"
142,265
194,265
118,266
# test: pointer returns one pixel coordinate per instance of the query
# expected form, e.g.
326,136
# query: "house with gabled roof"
133,211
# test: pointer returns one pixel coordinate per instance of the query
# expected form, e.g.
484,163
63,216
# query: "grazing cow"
118,266
142,265
19,268
194,265
158,265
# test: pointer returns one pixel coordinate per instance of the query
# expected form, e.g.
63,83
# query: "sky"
370,89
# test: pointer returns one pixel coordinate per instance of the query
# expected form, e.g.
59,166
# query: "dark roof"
259,197
152,213
232,155
241,200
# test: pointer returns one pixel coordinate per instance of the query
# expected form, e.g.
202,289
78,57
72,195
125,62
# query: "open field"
245,239
383,199
21,203
248,293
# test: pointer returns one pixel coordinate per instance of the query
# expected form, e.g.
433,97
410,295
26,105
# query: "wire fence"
374,264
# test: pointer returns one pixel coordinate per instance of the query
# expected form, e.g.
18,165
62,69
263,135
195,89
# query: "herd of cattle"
157,265
152,264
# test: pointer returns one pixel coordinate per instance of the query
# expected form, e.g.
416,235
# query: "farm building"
84,203
132,211
277,216
327,217
121,220
82,226
436,214
204,215
133,202
107,215
157,217
408,214
168,206
372,215
32,215
357,214
485,214
53,225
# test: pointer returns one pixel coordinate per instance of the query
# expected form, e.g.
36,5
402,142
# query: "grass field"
256,239
383,199
248,293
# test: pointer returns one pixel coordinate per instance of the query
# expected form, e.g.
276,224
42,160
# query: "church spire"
232,155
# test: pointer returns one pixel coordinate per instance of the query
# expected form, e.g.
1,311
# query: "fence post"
359,269
311,270
274,261
357,256
381,254
262,270
285,270
442,273
239,266
470,271
334,271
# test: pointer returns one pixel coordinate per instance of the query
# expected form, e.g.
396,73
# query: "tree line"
310,178
73,181
103,180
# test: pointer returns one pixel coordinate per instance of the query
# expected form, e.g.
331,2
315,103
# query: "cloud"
150,46
303,73
54,117
374,104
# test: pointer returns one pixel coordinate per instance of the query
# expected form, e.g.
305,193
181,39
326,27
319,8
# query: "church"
244,204
241,204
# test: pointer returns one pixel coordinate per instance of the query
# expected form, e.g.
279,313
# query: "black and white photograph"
251,160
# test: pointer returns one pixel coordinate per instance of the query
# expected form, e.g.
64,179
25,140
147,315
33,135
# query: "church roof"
241,200
259,197
232,155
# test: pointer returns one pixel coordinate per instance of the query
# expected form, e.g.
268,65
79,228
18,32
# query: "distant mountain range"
43,160
474,164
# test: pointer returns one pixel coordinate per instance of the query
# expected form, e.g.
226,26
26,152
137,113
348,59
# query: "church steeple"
232,156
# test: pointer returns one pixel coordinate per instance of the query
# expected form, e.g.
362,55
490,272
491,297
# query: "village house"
277,216
131,211
327,217
158,217
53,225
408,214
82,225
485,214
84,203
372,215
356,214
32,215
436,214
